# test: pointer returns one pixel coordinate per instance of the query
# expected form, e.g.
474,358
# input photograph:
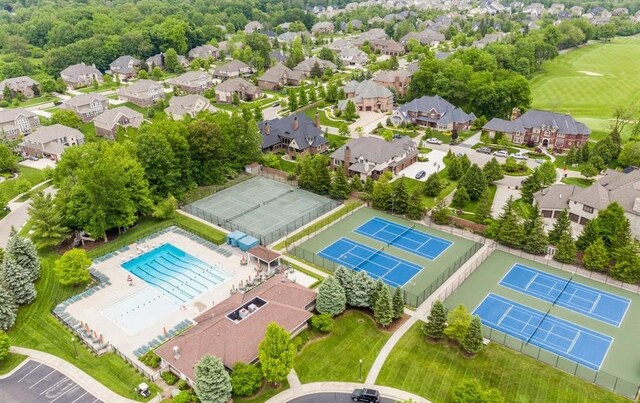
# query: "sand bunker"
590,73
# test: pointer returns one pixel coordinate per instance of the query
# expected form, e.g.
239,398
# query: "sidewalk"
74,373
342,387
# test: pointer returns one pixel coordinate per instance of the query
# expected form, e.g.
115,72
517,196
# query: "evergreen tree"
383,309
458,322
276,353
415,208
257,114
302,97
340,187
530,185
17,281
8,308
483,210
433,185
363,286
346,278
331,297
378,285
350,111
536,240
454,169
613,226
381,196
465,163
213,383
588,235
627,267
510,230
356,184
293,101
436,322
48,228
585,152
472,341
566,252
368,185
441,214
5,344
562,225
398,303
474,182
321,175
596,257
316,71
460,197
492,171
24,253
400,197
548,173
573,156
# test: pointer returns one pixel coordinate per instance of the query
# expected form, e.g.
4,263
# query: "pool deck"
90,309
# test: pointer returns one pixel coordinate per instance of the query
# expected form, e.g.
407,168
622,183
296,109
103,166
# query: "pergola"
264,256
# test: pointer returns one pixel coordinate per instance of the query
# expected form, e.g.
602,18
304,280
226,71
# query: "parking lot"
36,382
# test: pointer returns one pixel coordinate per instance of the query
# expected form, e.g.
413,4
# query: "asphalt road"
330,398
36,382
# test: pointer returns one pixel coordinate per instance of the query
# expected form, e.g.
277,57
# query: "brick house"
188,105
24,85
279,76
81,75
17,122
324,27
387,47
434,112
296,134
368,96
253,26
542,128
306,66
143,93
233,69
50,141
158,61
245,90
86,106
204,52
192,82
108,122
397,80
125,67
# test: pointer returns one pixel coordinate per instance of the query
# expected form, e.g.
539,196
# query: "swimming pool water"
175,273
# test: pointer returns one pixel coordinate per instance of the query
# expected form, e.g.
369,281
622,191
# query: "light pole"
73,341
393,199
360,369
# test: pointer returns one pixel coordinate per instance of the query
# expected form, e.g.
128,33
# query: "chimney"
266,128
515,114
176,352
317,120
296,124
347,160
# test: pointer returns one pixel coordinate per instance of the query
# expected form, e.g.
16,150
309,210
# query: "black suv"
365,395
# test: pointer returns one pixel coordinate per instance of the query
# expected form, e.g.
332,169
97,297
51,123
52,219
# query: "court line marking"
29,373
68,392
80,397
42,379
55,384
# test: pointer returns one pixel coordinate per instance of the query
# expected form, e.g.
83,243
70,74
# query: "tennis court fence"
411,298
601,378
267,237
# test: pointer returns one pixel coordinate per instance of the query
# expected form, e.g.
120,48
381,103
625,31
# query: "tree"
245,379
596,257
399,197
627,267
368,184
471,390
566,252
331,297
440,213
292,101
350,112
460,198
166,209
316,71
213,383
589,235
302,96
170,62
588,170
376,289
8,308
383,311
382,191
340,187
454,169
7,95
458,322
65,117
548,173
415,208
536,239
433,185
343,130
363,286
472,341
387,135
492,171
276,354
322,323
48,228
8,159
73,267
257,114
24,253
630,154
326,54
17,280
613,226
436,322
398,303
531,185
562,225
484,209
510,229
474,182
5,343
346,278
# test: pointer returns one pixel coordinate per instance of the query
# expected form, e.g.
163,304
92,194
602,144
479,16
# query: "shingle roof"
449,113
389,76
307,64
367,89
190,77
374,149
234,65
236,84
18,83
9,115
186,104
123,62
46,134
80,69
85,99
536,118
555,197
203,51
110,117
140,86
307,135
275,74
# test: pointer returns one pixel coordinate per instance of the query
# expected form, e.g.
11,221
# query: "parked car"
275,104
501,153
365,395
484,150
421,175
32,158
434,140
519,156
397,136
458,154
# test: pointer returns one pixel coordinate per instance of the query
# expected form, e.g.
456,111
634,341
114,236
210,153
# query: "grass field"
622,357
580,182
432,370
8,189
562,85
9,363
336,357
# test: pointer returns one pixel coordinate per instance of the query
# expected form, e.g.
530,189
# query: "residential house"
204,52
233,69
279,76
17,122
245,90
253,26
434,112
124,67
80,75
306,66
192,82
387,47
577,11
86,106
233,329
413,67
622,187
108,122
50,141
541,128
353,57
368,96
296,134
339,44
278,56
369,36
26,86
188,105
228,46
158,61
143,93
397,80
487,39
426,37
372,156
320,28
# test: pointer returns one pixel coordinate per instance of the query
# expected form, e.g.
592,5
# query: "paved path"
75,374
331,397
18,216
341,387
386,349
294,381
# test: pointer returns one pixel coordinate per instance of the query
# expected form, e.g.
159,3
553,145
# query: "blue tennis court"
559,336
403,237
589,301
392,270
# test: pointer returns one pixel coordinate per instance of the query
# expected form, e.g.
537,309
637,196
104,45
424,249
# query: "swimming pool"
175,273
138,311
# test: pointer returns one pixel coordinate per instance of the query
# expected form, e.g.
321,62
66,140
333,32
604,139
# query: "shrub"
245,379
4,104
322,323
186,396
151,359
300,340
169,377
182,385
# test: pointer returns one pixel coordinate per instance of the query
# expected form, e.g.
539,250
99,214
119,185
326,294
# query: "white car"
501,153
519,156
434,140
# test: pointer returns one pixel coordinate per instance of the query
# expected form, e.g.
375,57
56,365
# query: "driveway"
435,164
368,121
36,382
41,163
330,398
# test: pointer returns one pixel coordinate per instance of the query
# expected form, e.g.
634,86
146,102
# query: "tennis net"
552,305
243,213
368,259
401,234
277,197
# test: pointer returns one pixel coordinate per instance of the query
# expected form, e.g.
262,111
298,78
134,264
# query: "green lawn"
336,140
431,371
310,111
41,187
43,99
563,86
523,209
265,393
12,361
101,87
7,188
336,357
472,207
580,182
414,184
